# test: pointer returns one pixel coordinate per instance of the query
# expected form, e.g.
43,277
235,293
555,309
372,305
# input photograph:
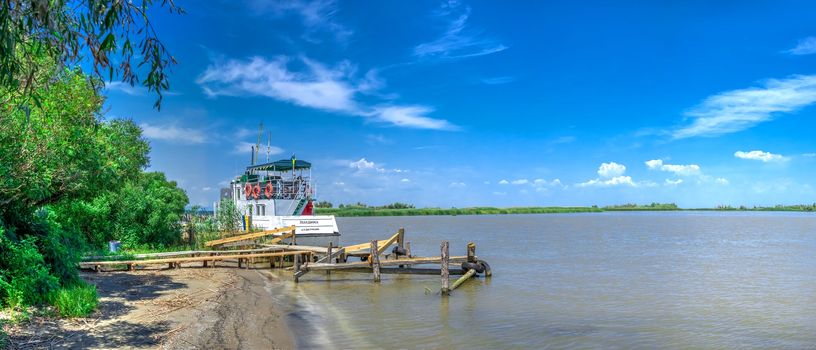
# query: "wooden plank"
444,270
364,264
172,254
361,246
249,236
382,247
285,247
329,259
405,271
191,259
375,261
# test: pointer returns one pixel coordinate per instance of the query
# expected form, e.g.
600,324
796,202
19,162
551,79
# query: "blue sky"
492,103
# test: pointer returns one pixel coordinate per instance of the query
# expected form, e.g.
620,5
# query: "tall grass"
77,300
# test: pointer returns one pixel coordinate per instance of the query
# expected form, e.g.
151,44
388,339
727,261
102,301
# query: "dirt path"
186,308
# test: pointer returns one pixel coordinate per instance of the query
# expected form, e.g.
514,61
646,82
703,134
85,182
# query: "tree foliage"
69,177
62,150
115,37
144,211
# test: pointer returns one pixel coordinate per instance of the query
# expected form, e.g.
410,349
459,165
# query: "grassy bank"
351,211
452,211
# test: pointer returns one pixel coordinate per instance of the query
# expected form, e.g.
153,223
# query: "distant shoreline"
361,212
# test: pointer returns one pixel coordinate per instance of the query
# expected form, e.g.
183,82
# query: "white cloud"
171,133
504,182
316,16
405,180
125,88
615,181
243,147
673,182
499,193
679,170
611,174
458,184
654,163
540,183
611,169
315,85
760,155
737,110
809,155
458,41
206,188
362,164
520,182
721,181
411,117
805,46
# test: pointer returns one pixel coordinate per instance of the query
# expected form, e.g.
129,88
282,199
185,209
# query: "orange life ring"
256,192
269,190
248,190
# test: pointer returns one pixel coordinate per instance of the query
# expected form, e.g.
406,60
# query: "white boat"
279,194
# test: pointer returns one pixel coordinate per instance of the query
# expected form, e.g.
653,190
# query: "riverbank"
189,308
375,211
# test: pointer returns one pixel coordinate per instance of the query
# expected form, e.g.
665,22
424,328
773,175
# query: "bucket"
114,246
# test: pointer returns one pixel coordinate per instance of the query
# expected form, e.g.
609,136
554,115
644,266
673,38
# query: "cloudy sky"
491,103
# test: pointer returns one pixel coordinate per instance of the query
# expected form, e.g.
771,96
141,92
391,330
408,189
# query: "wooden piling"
408,249
294,237
471,252
375,261
444,268
297,267
329,257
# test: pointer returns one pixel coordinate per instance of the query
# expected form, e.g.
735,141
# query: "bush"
24,276
77,300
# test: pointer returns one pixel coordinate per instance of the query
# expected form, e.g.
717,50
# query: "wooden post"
239,262
375,261
463,278
408,249
131,267
445,272
96,268
471,252
328,257
297,267
294,237
401,239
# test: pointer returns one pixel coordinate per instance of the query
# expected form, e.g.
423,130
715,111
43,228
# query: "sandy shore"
188,308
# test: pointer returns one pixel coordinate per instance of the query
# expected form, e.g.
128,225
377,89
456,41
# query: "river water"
595,280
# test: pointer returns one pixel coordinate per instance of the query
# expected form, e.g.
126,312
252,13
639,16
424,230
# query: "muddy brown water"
601,280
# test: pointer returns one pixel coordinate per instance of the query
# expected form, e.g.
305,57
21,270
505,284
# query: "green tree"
115,38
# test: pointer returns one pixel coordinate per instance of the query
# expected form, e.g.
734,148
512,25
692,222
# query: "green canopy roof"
280,165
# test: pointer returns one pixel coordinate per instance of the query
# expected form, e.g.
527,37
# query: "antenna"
268,146
252,159
258,144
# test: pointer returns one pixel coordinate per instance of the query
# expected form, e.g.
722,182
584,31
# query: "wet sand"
187,308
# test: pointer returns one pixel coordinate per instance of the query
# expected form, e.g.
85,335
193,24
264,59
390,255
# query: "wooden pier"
267,248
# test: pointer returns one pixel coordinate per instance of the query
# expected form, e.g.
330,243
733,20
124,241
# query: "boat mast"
268,146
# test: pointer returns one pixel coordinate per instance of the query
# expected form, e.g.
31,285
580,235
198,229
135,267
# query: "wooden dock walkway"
304,259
